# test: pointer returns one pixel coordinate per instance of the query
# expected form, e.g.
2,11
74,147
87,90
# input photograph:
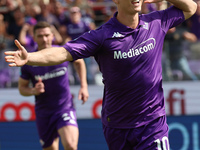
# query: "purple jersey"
57,94
130,62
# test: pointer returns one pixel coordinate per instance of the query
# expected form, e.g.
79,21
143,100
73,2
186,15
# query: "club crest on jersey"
117,34
146,26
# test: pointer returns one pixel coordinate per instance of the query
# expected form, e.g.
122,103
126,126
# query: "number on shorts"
164,144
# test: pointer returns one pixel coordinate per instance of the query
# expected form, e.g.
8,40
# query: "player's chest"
132,46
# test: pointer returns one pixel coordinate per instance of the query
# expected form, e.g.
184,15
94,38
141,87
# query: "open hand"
17,58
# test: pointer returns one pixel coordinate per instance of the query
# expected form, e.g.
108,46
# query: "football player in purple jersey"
128,50
55,112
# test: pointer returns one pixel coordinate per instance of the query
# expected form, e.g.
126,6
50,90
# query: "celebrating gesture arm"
45,57
187,6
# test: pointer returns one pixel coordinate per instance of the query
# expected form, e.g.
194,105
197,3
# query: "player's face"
43,37
129,6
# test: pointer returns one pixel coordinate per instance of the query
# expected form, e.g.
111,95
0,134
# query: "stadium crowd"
71,18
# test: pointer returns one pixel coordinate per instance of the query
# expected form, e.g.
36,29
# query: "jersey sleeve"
86,45
172,17
169,17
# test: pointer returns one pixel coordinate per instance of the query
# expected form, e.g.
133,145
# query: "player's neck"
128,20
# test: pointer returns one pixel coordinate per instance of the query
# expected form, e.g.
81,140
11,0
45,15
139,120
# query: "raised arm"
22,34
45,57
187,6
57,35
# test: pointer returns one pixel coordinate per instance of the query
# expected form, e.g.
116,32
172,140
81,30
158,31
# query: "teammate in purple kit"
55,113
128,49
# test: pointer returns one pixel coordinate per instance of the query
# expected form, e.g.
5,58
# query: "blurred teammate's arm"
57,35
23,33
26,90
80,68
